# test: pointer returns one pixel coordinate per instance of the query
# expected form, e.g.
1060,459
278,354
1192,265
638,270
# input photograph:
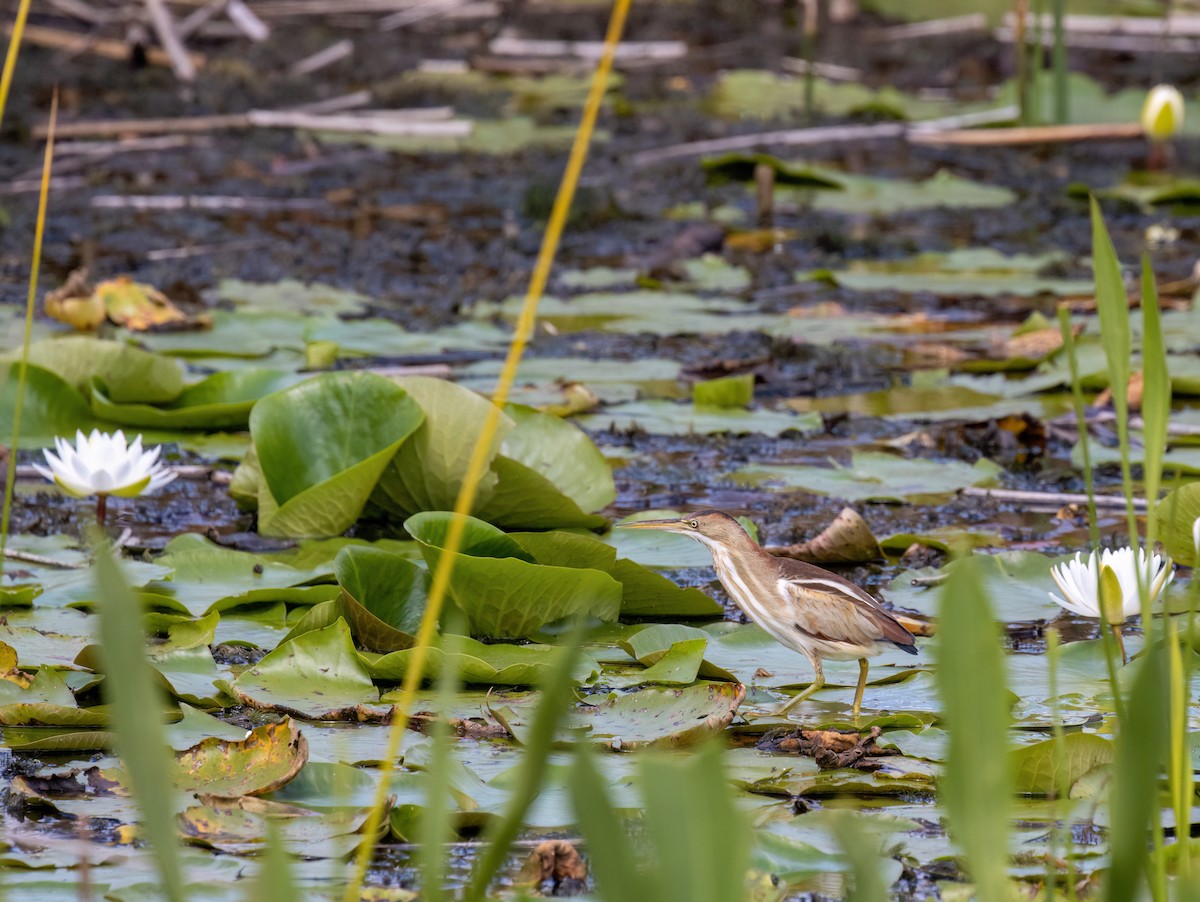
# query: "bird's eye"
694,524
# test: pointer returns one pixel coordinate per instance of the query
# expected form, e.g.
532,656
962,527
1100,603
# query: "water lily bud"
1162,113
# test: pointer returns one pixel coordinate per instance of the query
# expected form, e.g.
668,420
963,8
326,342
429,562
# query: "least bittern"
817,613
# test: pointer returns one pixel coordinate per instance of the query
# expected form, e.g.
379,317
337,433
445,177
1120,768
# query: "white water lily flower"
1079,580
1162,113
100,464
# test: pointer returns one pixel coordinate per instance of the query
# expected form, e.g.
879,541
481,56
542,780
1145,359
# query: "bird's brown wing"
830,607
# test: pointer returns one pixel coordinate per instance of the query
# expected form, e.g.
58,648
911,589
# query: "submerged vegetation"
352,617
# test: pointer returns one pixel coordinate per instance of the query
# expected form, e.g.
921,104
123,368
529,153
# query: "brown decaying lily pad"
262,762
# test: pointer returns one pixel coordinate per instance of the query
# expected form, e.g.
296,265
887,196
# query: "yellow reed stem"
1181,776
30,304
10,59
480,453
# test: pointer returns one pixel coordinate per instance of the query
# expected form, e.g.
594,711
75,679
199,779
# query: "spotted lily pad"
262,762
316,676
660,717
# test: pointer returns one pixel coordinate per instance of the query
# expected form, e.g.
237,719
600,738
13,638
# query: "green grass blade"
977,787
558,692
1156,397
35,265
700,841
131,689
860,847
434,828
610,854
1089,480
1112,305
1140,753
274,881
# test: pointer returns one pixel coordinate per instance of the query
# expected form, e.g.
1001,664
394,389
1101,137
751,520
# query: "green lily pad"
237,827
383,596
501,590
220,401
497,664
550,475
52,407
671,418
316,676
131,374
1037,765
292,296
875,476
964,272
233,334
208,578
321,447
1177,513
727,393
427,471
644,593
196,726
661,717
1018,582
191,676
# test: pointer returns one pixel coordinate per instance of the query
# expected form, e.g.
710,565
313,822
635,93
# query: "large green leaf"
644,593
130,373
427,472
500,589
321,447
1176,515
383,596
220,401
51,406
1037,765
558,452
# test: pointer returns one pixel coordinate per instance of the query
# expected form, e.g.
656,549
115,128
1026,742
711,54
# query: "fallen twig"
168,36
73,42
424,122
831,71
1039,134
43,561
1051,499
336,51
932,28
509,45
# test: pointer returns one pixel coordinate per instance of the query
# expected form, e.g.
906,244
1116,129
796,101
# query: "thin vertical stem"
1062,98
1068,337
39,232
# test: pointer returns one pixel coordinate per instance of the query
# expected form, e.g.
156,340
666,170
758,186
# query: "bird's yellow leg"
814,686
862,684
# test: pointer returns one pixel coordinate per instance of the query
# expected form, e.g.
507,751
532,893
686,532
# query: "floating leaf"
670,418
875,476
496,664
729,392
661,717
51,407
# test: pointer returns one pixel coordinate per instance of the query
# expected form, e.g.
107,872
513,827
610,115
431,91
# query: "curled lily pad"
262,762
321,447
500,589
220,401
383,596
131,374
